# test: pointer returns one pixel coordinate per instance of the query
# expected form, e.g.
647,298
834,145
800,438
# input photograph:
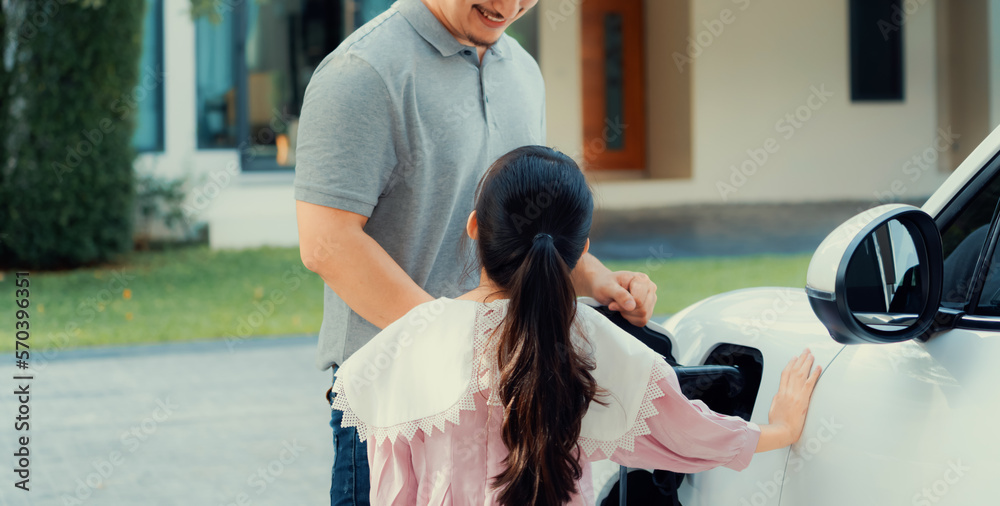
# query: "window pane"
286,40
148,134
989,292
989,298
963,241
876,50
216,86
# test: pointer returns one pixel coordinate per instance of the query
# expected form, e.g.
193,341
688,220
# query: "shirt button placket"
490,122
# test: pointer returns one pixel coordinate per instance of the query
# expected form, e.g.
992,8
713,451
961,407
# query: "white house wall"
559,60
241,209
765,63
761,67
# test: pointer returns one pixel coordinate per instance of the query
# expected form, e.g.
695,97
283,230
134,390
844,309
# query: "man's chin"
481,41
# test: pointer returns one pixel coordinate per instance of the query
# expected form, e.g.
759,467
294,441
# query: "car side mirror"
877,277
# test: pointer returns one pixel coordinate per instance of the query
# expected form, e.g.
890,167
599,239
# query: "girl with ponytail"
507,393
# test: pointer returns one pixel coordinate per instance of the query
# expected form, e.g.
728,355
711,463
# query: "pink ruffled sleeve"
688,437
393,479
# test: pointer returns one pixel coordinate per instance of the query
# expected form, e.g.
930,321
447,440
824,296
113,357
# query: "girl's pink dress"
420,393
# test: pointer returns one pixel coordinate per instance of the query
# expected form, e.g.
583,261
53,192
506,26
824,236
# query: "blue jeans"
350,480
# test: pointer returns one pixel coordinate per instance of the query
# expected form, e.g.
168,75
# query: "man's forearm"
586,270
361,272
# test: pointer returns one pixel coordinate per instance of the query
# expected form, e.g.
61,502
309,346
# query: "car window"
989,297
964,240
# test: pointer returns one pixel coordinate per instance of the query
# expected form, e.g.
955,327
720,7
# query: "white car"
902,310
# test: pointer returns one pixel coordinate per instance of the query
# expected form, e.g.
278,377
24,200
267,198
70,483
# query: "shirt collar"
428,26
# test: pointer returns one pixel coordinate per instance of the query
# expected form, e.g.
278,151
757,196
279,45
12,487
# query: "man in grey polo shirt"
397,127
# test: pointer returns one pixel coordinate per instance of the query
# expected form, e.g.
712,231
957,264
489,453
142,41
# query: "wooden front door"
614,116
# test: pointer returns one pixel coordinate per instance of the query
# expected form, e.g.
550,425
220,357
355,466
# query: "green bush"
67,109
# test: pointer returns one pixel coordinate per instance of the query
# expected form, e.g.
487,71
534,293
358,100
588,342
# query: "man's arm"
633,294
333,244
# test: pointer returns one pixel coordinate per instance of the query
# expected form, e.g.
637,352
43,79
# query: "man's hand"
632,294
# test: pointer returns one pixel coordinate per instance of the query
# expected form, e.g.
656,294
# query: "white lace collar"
419,373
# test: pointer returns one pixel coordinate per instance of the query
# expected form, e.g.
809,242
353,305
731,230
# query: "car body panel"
919,416
911,426
903,423
777,321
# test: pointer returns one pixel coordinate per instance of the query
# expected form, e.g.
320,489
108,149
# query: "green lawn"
198,293
682,282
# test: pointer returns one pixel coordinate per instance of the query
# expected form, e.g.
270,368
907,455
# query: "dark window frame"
954,210
243,142
866,27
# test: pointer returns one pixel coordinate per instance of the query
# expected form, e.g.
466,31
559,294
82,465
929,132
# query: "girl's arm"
686,436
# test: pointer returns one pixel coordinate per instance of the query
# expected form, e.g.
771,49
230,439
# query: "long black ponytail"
534,213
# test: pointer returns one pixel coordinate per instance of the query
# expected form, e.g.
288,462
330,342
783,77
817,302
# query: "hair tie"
540,235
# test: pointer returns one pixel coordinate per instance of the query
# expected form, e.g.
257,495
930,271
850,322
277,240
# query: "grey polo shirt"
398,124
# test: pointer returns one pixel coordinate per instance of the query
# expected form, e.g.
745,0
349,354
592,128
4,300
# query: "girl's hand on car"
788,410
791,403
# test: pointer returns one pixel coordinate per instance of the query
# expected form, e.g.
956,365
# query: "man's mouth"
492,16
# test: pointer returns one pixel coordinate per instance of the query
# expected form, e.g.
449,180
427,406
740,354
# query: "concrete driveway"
205,423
